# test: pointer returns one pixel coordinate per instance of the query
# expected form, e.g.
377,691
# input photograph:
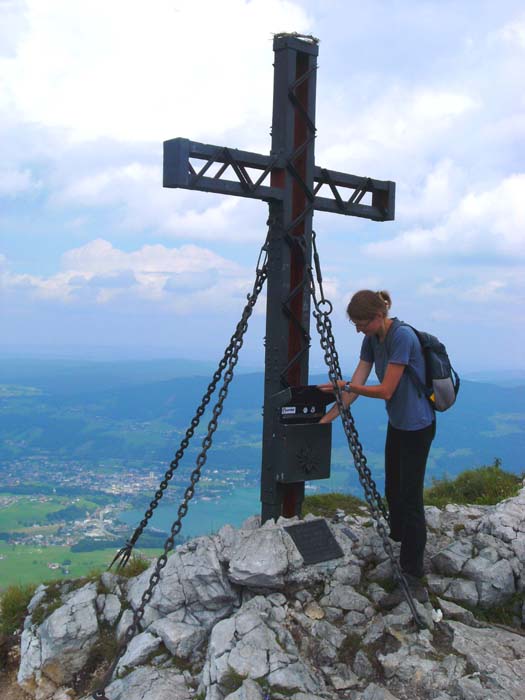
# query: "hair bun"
385,298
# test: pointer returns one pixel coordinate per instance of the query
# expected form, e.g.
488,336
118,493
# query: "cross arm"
192,165
199,166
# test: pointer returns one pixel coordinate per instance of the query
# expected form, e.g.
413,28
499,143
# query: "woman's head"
365,305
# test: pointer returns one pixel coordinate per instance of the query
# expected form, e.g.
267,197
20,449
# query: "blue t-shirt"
408,409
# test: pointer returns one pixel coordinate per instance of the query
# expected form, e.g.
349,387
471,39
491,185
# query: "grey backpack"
441,381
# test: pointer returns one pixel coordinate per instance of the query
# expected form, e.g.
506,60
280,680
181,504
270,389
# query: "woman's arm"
360,376
386,389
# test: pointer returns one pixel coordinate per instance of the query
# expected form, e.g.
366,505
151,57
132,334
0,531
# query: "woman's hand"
329,388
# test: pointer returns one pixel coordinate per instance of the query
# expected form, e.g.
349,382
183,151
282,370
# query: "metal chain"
231,357
322,311
123,555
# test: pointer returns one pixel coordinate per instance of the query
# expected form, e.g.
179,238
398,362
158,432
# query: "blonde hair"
365,304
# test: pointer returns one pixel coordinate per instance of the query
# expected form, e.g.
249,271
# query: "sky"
97,260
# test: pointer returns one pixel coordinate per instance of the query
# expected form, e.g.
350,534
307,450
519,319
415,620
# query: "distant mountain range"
140,410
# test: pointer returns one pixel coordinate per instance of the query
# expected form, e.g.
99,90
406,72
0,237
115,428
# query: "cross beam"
188,164
294,187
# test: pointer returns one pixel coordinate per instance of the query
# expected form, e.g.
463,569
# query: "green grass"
28,511
326,504
13,607
25,564
485,485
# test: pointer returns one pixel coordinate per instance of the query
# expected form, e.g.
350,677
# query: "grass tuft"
13,607
135,566
486,486
325,505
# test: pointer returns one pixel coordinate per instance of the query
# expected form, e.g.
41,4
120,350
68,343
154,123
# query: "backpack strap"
422,388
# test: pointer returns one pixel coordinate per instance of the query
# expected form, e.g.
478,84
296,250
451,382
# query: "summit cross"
294,187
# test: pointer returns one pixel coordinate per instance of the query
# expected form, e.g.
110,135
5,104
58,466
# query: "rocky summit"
239,616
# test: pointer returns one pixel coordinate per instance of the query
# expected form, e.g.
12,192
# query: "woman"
392,347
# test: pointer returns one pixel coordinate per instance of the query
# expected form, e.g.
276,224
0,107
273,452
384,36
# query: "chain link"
229,360
372,496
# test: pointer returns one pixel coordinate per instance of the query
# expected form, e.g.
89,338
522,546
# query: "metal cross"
291,183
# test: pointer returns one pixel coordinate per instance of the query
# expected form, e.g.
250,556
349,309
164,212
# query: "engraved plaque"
315,541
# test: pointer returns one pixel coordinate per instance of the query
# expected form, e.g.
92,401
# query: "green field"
30,511
21,564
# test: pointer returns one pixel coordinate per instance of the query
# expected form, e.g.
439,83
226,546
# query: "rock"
109,606
345,598
180,639
249,690
139,650
314,611
148,683
451,560
262,560
506,522
376,692
249,620
362,666
60,647
470,688
341,677
123,624
348,572
295,677
495,580
246,646
110,582
463,591
38,596
498,655
433,517
451,611
193,582
438,584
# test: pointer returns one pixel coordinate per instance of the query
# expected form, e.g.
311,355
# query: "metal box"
302,448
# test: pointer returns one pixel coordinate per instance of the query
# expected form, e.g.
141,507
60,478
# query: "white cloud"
434,196
100,256
14,182
487,223
403,121
514,32
182,279
131,71
134,192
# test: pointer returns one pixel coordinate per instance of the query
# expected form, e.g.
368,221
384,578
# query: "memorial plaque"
315,541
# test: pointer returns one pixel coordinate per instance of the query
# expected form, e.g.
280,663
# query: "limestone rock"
345,598
249,690
60,646
247,619
193,583
180,639
451,560
146,683
376,692
139,650
260,561
109,606
498,655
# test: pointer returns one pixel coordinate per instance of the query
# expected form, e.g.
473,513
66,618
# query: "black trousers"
406,453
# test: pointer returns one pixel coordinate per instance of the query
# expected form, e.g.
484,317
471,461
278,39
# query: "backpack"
441,380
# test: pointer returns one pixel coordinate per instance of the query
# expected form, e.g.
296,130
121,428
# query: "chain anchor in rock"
122,557
322,310
231,357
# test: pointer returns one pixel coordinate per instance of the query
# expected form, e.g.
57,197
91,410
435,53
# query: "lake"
204,516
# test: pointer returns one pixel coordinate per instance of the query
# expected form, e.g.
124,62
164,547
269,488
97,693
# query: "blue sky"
98,260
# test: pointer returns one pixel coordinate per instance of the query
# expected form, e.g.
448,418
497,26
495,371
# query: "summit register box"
302,445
